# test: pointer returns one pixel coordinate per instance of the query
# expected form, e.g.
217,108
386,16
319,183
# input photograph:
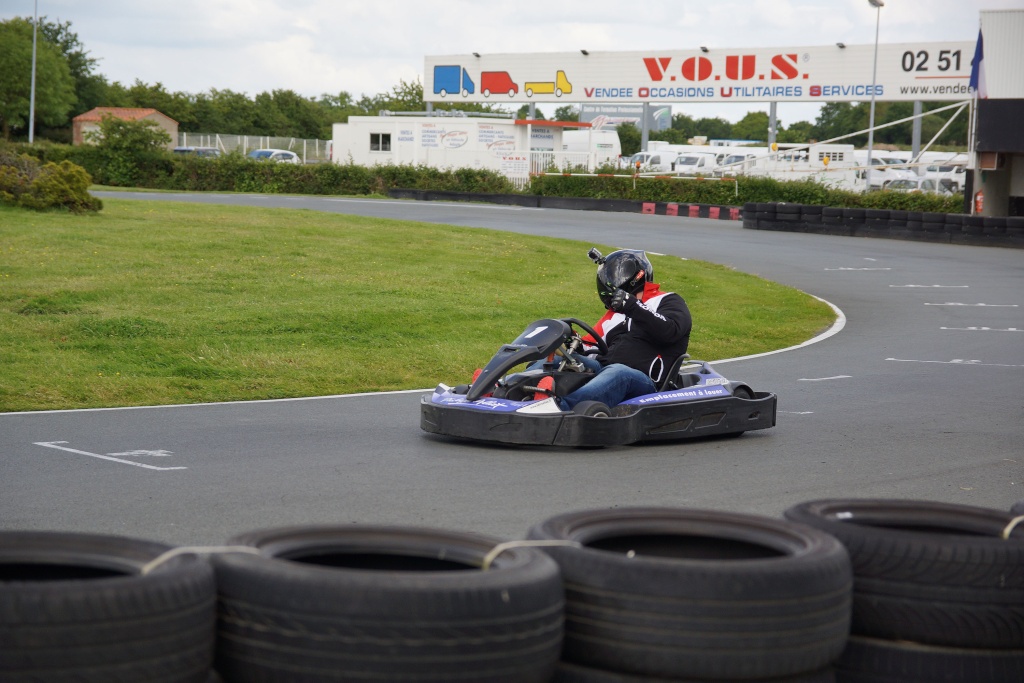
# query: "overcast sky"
367,47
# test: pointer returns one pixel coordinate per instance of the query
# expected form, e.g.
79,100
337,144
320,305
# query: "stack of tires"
938,591
79,608
655,594
366,603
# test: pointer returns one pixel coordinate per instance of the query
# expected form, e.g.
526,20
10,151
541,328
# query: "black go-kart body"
692,400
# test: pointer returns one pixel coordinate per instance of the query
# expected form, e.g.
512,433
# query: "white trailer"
512,147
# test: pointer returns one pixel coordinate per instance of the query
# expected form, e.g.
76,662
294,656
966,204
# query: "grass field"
153,303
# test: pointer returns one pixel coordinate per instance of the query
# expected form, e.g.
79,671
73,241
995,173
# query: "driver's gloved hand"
621,301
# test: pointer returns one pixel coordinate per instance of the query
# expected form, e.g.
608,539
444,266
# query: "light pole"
877,4
32,94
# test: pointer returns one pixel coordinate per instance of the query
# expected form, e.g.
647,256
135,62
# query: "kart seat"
675,379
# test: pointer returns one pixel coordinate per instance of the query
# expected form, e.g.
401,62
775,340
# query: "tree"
799,132
127,147
569,112
753,126
713,128
90,89
55,93
841,118
629,138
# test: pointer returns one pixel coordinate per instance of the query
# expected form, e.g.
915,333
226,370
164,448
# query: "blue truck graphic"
451,79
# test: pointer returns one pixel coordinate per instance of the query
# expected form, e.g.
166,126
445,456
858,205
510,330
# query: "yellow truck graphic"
560,86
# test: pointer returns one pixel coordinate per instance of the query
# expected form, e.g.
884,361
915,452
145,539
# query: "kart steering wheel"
602,347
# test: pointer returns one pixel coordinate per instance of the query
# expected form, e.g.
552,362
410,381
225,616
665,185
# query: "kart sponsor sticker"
694,393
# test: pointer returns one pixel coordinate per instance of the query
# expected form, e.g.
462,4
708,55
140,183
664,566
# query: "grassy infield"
157,303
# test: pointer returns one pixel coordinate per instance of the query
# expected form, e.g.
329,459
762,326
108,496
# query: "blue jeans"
613,384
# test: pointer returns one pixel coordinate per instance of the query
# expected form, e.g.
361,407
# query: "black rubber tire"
1017,509
574,673
869,660
76,607
677,593
932,573
592,409
366,603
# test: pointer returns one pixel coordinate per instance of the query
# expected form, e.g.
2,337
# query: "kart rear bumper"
688,420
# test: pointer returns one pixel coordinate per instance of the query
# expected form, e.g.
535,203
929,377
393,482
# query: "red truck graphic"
497,82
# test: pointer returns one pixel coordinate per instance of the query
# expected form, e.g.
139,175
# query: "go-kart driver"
645,330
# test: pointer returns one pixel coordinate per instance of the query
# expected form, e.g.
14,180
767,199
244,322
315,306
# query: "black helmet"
627,269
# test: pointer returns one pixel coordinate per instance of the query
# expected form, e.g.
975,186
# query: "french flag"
978,84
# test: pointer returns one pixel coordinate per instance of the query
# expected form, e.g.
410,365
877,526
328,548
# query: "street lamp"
32,95
877,4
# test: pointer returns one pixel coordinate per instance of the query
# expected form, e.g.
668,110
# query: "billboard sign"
906,72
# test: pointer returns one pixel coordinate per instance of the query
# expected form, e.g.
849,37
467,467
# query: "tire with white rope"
374,603
697,594
78,607
929,572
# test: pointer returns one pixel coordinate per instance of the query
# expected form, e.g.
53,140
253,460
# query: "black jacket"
649,335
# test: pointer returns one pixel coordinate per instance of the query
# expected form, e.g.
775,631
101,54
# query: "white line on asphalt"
951,303
53,444
858,269
930,286
956,361
982,329
823,379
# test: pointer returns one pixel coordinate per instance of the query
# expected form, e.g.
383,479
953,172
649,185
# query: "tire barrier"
365,603
78,607
677,593
998,231
836,591
574,673
937,588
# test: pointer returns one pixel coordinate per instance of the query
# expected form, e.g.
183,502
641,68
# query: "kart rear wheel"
592,409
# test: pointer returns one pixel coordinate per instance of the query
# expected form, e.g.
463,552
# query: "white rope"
196,550
508,545
1011,526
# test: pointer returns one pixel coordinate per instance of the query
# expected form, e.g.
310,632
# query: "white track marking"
951,303
53,444
982,329
956,361
823,379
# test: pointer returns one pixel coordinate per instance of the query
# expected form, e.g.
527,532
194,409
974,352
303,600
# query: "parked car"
918,185
281,155
952,174
209,152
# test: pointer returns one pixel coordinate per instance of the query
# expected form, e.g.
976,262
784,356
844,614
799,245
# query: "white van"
603,144
696,163
652,162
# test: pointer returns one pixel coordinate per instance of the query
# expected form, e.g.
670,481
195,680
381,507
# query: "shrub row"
928,226
234,173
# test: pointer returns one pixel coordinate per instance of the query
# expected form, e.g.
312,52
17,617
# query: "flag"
978,84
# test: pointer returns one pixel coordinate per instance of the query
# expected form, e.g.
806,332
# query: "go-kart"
691,401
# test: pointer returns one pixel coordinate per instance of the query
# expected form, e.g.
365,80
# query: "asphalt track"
918,396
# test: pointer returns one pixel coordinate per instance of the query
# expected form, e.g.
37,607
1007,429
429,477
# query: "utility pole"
32,95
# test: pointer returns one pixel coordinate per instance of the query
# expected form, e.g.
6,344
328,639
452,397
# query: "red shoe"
475,375
546,388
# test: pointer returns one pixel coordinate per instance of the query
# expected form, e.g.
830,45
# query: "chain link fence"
310,151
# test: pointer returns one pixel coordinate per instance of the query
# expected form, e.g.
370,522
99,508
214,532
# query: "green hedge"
235,173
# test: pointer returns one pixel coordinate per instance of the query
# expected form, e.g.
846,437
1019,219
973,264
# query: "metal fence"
311,151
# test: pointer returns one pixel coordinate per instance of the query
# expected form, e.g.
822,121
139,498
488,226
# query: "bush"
24,182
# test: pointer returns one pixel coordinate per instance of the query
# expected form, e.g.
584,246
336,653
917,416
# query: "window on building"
380,142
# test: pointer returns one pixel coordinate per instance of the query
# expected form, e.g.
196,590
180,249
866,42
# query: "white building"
512,147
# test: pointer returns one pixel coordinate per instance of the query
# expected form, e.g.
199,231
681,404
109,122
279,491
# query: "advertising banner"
906,72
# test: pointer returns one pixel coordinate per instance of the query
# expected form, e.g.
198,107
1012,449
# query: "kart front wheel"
592,409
